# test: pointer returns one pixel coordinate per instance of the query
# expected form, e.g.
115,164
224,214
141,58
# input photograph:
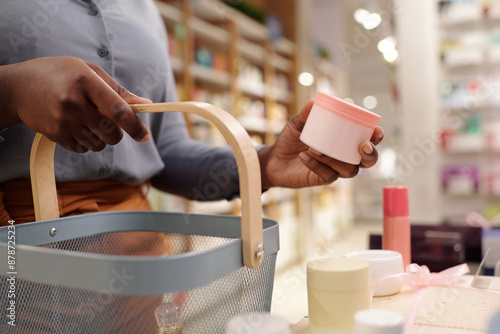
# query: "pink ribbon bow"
420,277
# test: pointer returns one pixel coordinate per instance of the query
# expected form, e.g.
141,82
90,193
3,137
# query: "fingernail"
381,135
313,151
145,100
304,157
368,148
145,139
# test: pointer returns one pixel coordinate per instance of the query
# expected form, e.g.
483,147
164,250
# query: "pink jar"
336,128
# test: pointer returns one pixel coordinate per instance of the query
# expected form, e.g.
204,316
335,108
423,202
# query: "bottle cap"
396,202
168,315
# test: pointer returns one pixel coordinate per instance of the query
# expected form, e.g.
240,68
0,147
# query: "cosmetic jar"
258,323
336,128
383,263
336,289
373,321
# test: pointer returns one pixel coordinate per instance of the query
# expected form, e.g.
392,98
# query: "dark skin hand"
291,163
73,102
79,106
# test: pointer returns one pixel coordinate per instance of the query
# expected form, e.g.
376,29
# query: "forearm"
198,171
7,86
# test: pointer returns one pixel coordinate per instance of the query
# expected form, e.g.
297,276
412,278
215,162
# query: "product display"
460,180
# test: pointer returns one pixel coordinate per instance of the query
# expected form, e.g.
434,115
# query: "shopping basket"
73,275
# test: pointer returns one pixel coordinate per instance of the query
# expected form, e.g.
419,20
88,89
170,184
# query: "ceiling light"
306,79
370,102
371,21
391,56
360,14
387,44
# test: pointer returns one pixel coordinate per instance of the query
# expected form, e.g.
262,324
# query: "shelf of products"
215,48
469,98
224,58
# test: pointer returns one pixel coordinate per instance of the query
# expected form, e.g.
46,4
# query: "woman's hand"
73,102
291,163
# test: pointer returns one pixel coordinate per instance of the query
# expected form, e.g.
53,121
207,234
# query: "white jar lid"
258,323
382,262
373,321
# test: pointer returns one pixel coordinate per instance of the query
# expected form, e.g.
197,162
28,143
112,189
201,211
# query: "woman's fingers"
369,154
325,173
378,135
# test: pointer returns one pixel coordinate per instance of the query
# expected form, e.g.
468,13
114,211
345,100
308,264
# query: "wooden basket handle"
44,185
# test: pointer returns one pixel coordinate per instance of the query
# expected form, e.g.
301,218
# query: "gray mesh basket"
107,272
83,280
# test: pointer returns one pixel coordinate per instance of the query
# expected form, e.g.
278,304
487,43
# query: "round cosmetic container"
258,323
336,128
373,321
336,289
383,263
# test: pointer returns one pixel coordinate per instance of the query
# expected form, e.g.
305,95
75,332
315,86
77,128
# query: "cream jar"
336,128
336,289
383,263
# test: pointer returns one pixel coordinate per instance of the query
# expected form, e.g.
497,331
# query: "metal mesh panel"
42,308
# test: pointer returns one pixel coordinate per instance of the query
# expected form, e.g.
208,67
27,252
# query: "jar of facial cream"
336,128
336,289
385,266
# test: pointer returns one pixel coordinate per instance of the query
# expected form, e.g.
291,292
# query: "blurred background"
429,68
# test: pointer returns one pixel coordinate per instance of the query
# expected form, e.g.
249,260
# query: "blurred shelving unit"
469,95
225,58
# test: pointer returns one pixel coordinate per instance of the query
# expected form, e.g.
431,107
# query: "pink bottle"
396,235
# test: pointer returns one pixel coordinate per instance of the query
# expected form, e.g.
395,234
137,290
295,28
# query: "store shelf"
281,63
472,154
169,12
251,51
469,23
260,125
209,75
281,96
177,64
479,108
213,10
209,31
469,51
284,46
254,89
